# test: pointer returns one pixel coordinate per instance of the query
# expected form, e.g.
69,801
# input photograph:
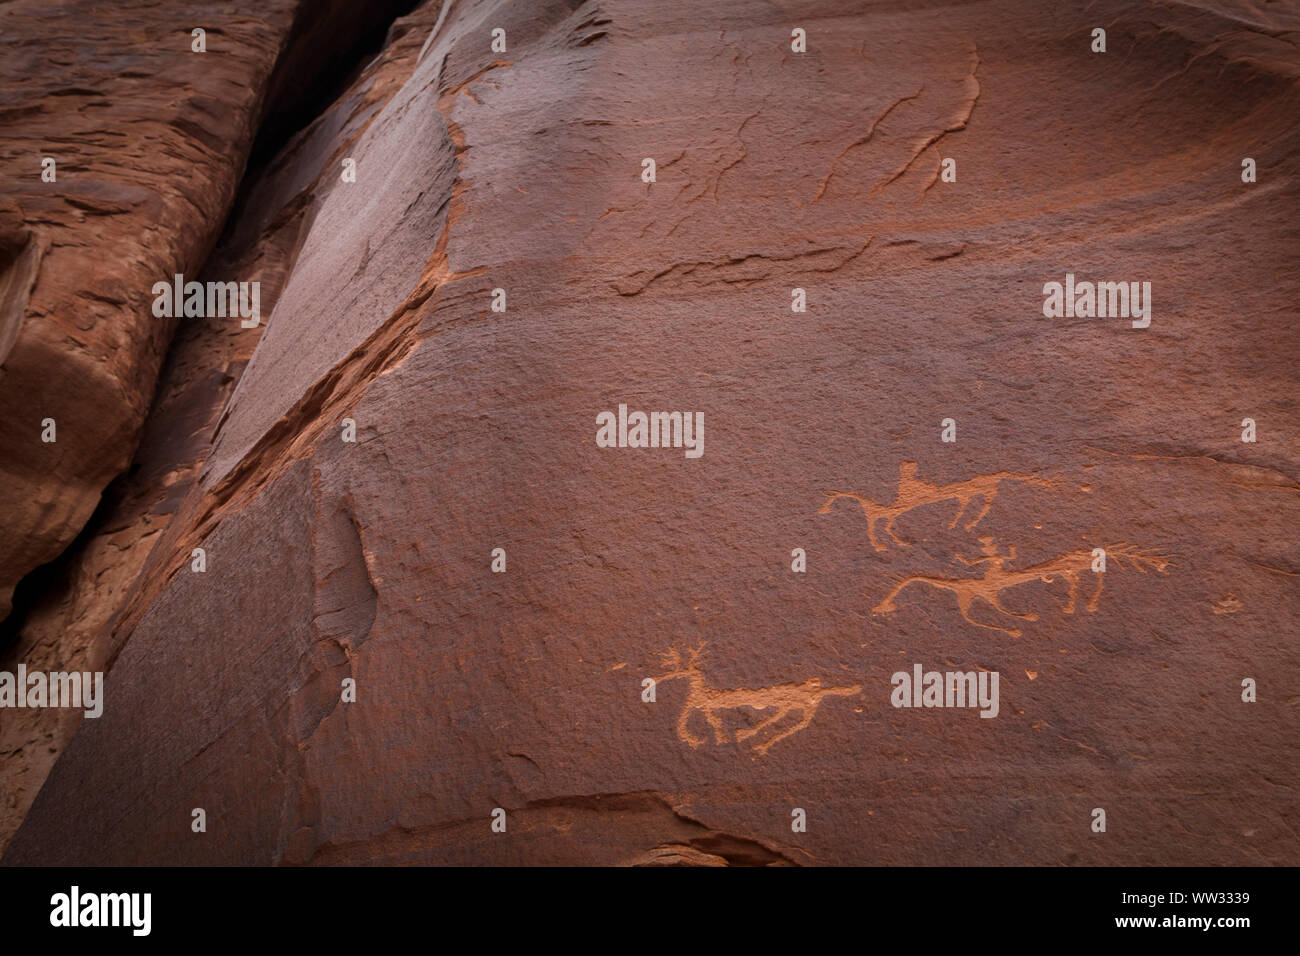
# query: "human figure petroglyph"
913,493
1069,567
784,699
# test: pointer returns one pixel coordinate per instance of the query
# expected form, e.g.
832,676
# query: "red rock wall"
476,430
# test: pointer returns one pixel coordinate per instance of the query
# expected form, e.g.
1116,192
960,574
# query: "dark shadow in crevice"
330,43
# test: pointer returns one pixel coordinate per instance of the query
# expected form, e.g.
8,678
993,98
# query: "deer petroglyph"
914,493
1069,567
783,700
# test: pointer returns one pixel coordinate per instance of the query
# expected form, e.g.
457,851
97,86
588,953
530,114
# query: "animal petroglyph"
1070,567
914,493
782,700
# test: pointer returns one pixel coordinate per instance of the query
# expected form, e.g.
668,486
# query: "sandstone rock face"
521,169
148,140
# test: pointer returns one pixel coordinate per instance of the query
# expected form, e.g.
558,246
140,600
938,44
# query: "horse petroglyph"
782,700
914,493
997,577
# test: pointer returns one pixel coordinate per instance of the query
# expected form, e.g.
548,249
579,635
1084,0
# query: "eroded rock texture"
149,140
521,170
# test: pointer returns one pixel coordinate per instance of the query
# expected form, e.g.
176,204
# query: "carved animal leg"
1096,595
988,503
871,530
684,732
889,527
1073,578
743,735
719,734
962,502
964,602
887,604
808,713
996,601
